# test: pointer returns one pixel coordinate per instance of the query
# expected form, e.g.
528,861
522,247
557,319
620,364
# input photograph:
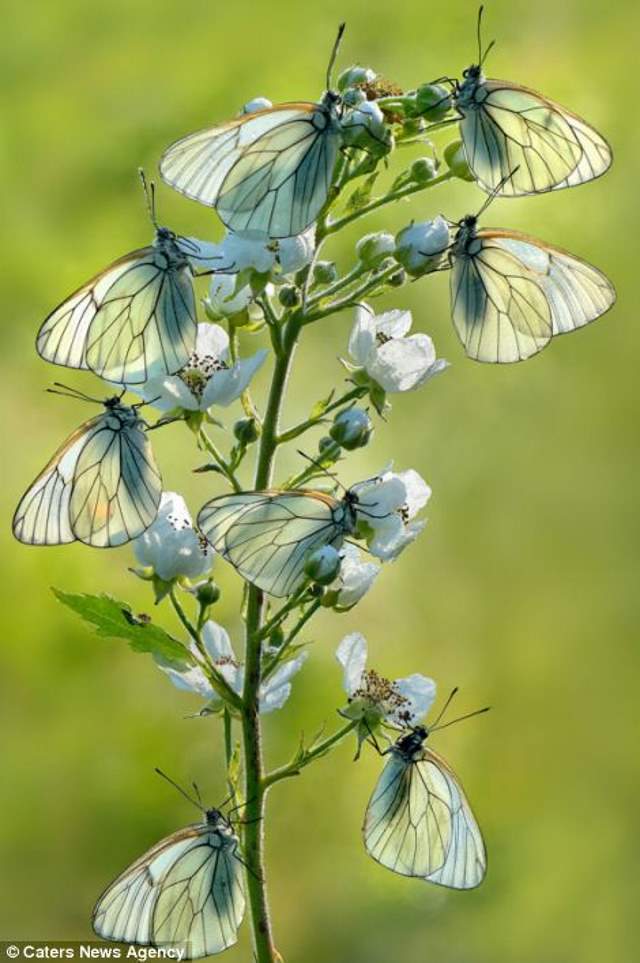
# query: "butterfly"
511,293
267,536
186,890
102,486
267,172
504,125
418,820
134,321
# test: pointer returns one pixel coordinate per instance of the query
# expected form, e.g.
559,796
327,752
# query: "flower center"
178,522
382,338
227,660
199,370
382,695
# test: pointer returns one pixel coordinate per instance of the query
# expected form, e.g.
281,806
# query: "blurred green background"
523,591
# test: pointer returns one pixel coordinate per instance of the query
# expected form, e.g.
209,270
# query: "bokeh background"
523,591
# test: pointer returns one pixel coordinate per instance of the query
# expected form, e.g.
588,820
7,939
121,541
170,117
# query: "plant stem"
275,661
291,433
305,756
220,460
265,951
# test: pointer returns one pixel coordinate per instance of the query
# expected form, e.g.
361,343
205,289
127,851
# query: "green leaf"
321,406
362,194
114,619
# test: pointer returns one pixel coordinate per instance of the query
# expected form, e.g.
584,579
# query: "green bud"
246,431
456,161
325,443
325,272
433,102
277,637
373,248
398,279
412,127
289,296
351,429
207,594
323,565
355,76
422,170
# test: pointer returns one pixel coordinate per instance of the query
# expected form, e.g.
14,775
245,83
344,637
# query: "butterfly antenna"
496,190
182,791
324,470
482,56
197,792
65,391
334,53
445,706
149,189
468,715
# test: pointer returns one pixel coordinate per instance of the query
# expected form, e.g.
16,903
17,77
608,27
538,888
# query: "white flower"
421,246
170,545
246,249
362,124
388,504
207,379
397,361
401,703
274,692
355,577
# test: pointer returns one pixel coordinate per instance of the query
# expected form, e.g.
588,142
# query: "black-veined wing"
268,172
267,536
102,487
134,321
185,891
518,142
510,294
419,823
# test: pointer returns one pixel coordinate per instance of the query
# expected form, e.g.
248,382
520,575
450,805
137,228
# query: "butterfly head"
466,232
215,819
407,746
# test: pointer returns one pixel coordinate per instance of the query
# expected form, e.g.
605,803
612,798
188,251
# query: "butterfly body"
511,293
133,321
419,822
102,486
186,890
519,142
267,536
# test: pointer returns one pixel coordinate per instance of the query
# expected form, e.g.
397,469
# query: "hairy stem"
265,951
305,756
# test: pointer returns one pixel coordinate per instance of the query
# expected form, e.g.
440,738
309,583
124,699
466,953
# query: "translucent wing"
267,535
102,488
419,823
186,890
510,294
268,172
135,321
515,135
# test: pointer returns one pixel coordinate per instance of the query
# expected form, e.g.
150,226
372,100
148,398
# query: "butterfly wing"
268,172
516,136
419,823
186,890
267,536
135,321
102,487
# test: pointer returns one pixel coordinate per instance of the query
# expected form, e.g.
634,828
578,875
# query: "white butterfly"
418,821
267,172
185,891
506,126
267,536
510,293
102,486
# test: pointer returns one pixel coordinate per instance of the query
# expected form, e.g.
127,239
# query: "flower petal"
402,364
394,324
352,656
212,340
418,492
217,642
277,689
227,385
420,691
362,341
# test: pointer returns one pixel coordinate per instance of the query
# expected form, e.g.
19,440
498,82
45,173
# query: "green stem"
275,661
375,281
305,756
220,460
334,226
298,430
265,951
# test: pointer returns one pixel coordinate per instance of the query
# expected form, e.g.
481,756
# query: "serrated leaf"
114,619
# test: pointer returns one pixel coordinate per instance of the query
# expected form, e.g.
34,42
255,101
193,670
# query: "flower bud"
353,97
325,443
456,161
398,279
289,296
356,76
422,170
258,103
412,127
364,127
325,272
207,594
277,637
224,300
351,428
246,431
420,247
323,565
373,248
433,102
